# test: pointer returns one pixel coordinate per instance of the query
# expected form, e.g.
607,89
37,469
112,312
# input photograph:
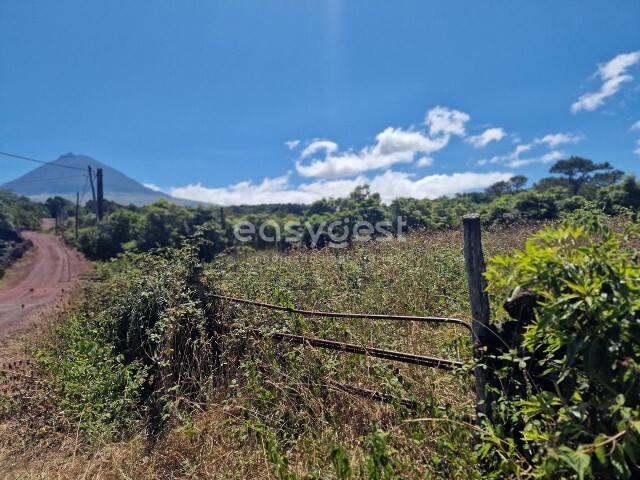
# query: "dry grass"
275,401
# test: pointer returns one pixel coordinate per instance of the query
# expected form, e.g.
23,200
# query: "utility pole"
100,207
93,190
77,214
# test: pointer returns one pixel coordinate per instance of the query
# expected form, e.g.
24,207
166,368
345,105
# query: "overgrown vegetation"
576,407
12,247
147,358
19,212
141,354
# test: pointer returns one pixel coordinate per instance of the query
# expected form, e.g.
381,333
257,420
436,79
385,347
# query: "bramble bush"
134,345
578,413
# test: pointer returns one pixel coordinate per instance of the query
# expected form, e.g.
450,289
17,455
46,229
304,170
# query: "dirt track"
37,281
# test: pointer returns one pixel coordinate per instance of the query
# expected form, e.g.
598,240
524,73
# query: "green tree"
163,224
514,184
58,206
580,172
626,194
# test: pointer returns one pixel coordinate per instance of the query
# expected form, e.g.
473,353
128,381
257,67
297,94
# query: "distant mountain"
50,180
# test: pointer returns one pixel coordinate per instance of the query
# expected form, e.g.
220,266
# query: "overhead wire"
19,182
28,159
84,189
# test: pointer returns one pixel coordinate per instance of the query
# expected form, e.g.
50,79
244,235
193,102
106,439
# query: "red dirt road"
37,281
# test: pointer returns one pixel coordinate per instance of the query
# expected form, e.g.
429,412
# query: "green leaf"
577,460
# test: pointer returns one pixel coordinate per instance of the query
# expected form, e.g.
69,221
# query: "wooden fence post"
479,299
196,273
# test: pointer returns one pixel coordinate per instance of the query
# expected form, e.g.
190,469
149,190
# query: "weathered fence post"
196,276
479,299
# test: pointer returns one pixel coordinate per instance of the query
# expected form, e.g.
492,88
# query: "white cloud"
389,184
555,139
317,145
635,126
442,120
521,149
153,187
489,135
613,75
546,158
519,163
637,150
552,156
270,190
424,162
291,144
392,145
551,141
392,184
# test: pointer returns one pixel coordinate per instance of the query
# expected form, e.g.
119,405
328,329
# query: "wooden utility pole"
479,299
77,214
93,190
100,206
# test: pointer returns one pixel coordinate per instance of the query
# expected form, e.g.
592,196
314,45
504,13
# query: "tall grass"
232,404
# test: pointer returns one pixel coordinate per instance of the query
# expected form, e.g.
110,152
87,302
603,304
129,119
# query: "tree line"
576,184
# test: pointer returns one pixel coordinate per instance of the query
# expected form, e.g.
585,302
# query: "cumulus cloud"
489,135
270,190
442,120
318,145
392,184
291,144
613,74
392,145
389,185
635,126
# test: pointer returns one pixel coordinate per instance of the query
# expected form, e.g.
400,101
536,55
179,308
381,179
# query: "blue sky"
269,101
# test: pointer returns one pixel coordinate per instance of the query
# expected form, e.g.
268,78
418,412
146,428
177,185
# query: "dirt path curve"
37,281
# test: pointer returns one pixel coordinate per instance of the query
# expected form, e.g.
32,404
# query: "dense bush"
12,247
136,340
578,413
19,212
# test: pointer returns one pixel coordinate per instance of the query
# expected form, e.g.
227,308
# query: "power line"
20,157
84,189
41,180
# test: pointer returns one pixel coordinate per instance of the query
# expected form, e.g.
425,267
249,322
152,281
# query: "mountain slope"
49,180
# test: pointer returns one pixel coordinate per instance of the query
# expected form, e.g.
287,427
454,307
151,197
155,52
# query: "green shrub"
94,385
580,416
135,342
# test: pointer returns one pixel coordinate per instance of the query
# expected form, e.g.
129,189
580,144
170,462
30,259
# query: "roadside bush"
135,343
